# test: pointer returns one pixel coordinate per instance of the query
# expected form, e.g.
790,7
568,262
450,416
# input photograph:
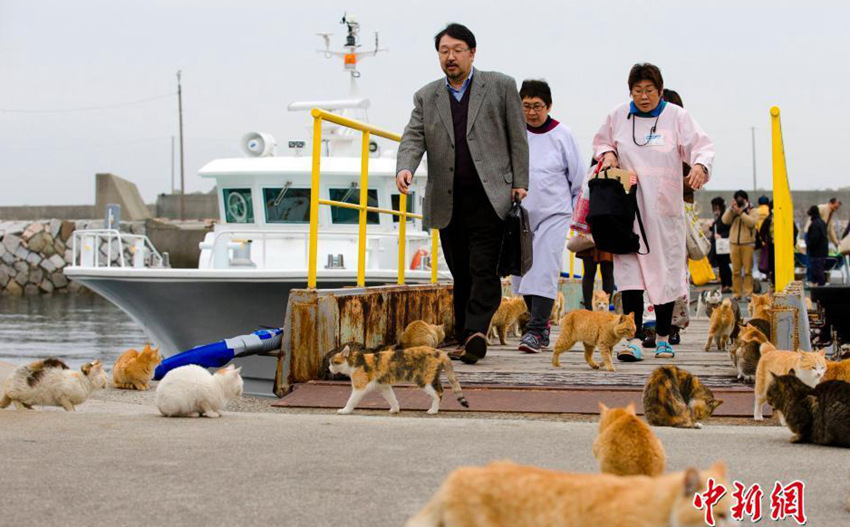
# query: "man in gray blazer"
471,124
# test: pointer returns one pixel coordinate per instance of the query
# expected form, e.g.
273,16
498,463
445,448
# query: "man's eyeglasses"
445,52
533,107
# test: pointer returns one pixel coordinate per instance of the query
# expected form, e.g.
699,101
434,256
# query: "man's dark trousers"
471,244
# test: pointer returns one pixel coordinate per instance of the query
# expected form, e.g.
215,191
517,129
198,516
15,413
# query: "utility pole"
172,164
753,132
182,178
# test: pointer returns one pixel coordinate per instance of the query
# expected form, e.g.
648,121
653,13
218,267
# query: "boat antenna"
350,56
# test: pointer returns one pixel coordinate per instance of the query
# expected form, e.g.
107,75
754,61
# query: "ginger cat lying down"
510,495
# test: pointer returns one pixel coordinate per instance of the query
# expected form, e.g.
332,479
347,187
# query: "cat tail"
450,373
5,401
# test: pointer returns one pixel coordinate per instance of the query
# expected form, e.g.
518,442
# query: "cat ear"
692,482
715,403
238,370
346,351
602,408
631,316
718,468
790,372
822,353
631,408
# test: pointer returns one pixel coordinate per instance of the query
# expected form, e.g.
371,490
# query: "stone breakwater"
33,254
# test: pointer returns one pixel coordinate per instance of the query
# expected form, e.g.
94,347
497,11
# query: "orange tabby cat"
626,445
134,370
506,494
721,325
760,306
506,317
557,308
600,301
808,366
421,333
593,328
837,371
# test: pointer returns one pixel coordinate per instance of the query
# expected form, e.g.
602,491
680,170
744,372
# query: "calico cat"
134,370
710,301
600,301
191,391
506,317
379,371
49,382
593,328
745,354
675,397
810,367
721,325
837,371
506,494
819,415
626,445
759,306
421,333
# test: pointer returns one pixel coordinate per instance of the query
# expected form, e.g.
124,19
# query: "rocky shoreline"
33,254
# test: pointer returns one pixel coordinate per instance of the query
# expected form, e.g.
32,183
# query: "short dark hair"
646,72
458,31
814,212
835,200
672,97
719,202
536,88
741,194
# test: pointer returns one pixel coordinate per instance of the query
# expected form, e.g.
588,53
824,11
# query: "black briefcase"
515,256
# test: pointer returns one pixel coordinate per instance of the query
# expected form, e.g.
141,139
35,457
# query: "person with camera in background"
742,219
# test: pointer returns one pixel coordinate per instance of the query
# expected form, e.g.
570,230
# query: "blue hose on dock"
219,353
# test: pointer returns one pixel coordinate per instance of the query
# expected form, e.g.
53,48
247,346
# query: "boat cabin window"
238,205
287,205
395,201
351,216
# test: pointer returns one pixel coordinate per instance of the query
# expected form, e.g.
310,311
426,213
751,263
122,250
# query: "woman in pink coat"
652,139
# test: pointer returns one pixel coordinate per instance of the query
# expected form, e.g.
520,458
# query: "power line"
90,108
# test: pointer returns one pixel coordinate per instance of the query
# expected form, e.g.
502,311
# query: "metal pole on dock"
172,164
182,178
783,209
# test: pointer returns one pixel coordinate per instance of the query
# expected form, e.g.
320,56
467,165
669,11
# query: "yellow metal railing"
783,209
367,130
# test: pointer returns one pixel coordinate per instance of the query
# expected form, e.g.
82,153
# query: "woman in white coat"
652,139
555,176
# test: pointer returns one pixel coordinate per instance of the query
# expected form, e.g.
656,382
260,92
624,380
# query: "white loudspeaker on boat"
259,144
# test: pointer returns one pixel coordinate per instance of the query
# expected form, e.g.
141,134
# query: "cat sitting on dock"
675,397
134,370
49,382
819,415
379,371
421,333
626,445
506,494
746,352
722,323
191,391
809,367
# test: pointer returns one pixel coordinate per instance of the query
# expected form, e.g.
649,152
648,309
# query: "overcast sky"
244,61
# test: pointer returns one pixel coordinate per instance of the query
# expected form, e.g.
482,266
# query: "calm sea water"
75,328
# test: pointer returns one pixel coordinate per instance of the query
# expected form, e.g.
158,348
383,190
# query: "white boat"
258,250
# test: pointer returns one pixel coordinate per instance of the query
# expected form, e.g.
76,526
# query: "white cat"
191,391
49,382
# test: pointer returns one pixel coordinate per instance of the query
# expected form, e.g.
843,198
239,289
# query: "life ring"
417,259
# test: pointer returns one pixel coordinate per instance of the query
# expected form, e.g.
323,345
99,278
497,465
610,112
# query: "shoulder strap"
642,231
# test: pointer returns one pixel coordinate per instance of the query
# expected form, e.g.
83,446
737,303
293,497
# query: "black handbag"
515,255
611,217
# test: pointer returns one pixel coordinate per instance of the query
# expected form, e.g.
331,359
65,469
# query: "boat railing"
367,130
88,246
232,247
